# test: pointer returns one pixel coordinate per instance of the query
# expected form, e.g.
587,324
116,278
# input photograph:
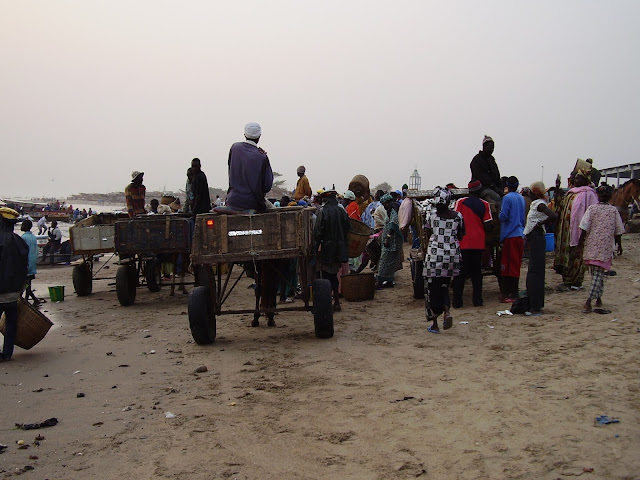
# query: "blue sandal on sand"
433,330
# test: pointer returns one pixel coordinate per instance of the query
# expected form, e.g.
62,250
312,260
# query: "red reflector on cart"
210,224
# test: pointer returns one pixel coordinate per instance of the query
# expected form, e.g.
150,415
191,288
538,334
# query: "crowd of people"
585,227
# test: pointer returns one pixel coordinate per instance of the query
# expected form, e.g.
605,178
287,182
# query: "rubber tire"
202,319
152,275
417,278
82,281
203,275
322,308
126,282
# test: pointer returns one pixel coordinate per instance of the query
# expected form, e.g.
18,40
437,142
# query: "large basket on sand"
357,238
32,325
358,287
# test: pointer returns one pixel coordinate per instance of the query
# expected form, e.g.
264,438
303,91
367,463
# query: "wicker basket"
358,287
357,238
32,325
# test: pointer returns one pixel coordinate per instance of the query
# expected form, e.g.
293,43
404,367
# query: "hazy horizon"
93,90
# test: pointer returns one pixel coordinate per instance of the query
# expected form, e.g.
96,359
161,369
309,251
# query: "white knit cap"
252,130
349,195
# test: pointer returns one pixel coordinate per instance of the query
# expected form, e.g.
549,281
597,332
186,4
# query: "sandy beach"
510,397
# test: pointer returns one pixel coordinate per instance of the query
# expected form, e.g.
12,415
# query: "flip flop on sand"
433,330
447,322
601,311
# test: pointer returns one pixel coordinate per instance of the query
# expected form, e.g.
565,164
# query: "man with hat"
512,219
303,189
485,169
134,194
330,241
14,258
475,213
250,174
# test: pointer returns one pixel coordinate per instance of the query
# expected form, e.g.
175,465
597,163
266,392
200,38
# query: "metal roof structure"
630,170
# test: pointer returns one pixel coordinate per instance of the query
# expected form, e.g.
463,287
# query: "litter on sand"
491,326
463,323
503,312
50,422
169,415
606,420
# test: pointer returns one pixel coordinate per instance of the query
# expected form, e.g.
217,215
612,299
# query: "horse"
627,193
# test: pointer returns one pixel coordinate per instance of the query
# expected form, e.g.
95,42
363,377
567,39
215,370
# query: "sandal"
447,323
433,330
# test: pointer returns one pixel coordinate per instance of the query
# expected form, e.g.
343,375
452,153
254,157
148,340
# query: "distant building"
415,182
630,170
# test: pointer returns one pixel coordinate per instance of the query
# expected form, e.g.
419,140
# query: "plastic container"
550,240
56,293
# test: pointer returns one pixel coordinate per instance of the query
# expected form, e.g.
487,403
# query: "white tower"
415,180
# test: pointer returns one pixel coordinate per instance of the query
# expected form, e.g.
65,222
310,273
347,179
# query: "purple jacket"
250,177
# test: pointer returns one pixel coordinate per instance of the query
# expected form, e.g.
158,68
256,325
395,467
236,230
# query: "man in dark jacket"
14,258
330,241
199,189
484,168
250,174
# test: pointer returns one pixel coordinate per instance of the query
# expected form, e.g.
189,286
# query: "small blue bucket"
550,240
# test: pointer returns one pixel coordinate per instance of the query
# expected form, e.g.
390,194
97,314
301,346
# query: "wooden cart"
222,241
142,243
417,255
89,238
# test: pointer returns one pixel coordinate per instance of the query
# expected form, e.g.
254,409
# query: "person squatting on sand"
14,258
475,213
600,225
511,230
539,215
444,228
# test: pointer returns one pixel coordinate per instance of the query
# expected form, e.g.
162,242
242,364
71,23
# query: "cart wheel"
417,278
322,309
152,275
82,281
202,319
126,282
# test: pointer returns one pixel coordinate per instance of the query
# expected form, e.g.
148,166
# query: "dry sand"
499,397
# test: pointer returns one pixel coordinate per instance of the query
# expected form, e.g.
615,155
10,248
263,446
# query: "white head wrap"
252,130
349,195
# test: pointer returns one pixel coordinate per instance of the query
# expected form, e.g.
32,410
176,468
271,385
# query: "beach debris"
503,312
77,371
3,448
50,422
20,442
127,408
38,390
24,469
109,354
151,352
606,420
405,398
463,323
601,311
232,404
490,326
169,415
79,395
201,369
33,457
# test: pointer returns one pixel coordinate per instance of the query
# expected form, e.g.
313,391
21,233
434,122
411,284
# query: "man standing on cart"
134,194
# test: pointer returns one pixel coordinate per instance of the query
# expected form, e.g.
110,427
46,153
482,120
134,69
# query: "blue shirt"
512,216
250,177
32,243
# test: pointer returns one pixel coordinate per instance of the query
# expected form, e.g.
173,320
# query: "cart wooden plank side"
90,237
222,241
143,243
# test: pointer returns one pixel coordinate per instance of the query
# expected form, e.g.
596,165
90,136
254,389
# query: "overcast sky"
91,90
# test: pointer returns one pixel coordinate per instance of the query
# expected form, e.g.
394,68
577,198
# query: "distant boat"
37,210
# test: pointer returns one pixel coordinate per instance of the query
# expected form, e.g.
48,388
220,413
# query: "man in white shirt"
55,240
42,225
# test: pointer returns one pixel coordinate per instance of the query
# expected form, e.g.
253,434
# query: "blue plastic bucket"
550,240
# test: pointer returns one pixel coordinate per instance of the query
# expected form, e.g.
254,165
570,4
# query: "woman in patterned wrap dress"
445,228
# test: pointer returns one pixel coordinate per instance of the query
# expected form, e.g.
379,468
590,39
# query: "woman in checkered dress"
445,228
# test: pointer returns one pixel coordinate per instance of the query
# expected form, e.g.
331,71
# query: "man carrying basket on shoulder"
14,257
